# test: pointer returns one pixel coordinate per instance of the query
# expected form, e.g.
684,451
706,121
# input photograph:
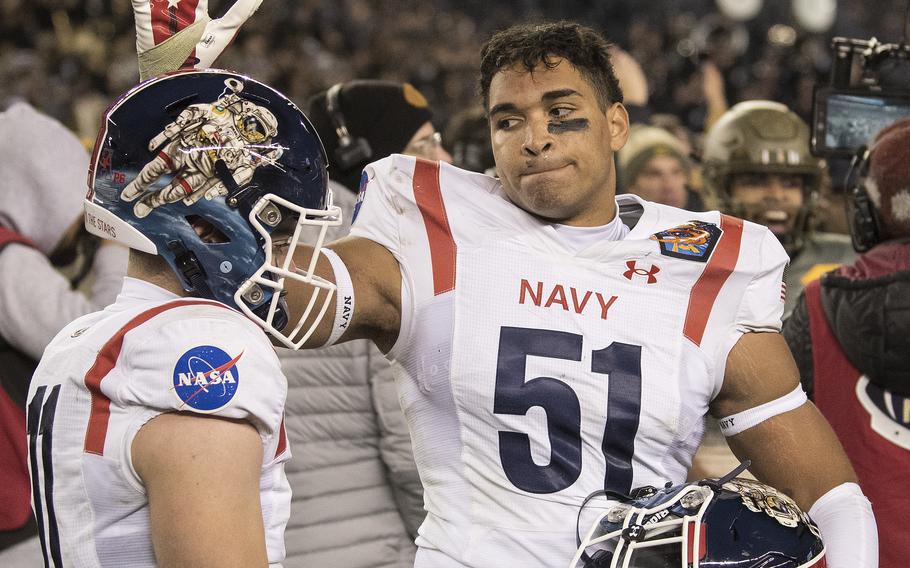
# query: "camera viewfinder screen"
852,120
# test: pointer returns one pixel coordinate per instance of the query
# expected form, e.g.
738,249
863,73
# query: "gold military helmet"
762,137
758,137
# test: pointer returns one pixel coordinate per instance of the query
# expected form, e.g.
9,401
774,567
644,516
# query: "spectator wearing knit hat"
654,166
357,499
380,118
850,336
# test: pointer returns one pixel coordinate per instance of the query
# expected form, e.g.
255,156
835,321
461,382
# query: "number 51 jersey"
532,374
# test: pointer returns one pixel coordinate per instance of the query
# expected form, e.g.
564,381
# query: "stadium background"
71,57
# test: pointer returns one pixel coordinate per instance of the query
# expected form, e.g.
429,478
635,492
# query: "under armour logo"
641,271
634,533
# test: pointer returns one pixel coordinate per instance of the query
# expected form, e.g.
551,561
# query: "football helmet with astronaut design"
210,170
731,522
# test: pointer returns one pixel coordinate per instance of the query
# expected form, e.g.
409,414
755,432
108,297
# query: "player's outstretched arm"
202,474
375,279
794,450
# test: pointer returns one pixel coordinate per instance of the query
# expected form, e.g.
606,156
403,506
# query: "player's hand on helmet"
171,34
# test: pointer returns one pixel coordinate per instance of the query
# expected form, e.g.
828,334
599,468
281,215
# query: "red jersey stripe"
718,269
282,439
96,432
428,196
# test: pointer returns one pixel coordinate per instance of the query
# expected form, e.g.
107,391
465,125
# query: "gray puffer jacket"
357,500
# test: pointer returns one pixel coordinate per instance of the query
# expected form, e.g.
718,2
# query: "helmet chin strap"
795,240
743,466
189,266
237,194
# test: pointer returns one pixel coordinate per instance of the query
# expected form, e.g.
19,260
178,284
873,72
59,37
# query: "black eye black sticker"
563,126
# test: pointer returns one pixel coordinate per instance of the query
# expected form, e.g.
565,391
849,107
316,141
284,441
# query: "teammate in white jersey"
155,427
552,340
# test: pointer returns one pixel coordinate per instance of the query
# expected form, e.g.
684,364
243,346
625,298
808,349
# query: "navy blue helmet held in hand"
210,170
727,523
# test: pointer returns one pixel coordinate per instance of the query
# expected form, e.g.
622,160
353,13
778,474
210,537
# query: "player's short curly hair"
530,45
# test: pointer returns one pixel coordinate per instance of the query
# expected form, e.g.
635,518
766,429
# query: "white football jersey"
532,375
108,373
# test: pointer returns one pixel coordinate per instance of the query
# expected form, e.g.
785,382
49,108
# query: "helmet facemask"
668,534
281,225
709,524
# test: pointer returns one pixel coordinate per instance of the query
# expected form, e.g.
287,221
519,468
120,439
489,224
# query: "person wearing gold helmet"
756,161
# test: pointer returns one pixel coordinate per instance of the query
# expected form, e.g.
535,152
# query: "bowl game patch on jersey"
694,240
206,378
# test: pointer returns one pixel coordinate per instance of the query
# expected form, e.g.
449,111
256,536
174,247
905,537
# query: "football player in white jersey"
156,426
552,339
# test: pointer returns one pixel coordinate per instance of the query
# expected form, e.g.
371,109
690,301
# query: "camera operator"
850,335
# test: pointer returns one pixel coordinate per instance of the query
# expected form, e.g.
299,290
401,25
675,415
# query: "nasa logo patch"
206,378
364,179
694,240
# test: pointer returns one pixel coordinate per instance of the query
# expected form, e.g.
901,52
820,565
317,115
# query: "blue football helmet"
210,170
732,522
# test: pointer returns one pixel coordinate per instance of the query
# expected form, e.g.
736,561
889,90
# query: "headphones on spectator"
351,151
865,227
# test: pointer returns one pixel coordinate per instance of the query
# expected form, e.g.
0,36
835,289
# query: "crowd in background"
69,58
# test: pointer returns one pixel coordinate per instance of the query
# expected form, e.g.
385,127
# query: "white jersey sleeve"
203,359
376,214
751,300
762,305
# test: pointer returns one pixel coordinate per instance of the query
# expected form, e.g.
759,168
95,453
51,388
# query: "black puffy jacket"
867,305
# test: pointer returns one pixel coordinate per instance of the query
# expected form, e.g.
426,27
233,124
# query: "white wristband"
344,296
844,517
736,423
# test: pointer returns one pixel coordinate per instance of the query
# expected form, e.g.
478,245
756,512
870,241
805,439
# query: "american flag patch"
783,291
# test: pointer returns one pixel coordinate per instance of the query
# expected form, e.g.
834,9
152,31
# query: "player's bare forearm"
376,278
795,451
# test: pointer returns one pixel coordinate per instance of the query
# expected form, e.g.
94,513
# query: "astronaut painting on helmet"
757,162
232,130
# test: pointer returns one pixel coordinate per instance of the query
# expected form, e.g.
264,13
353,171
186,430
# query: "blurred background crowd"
70,57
